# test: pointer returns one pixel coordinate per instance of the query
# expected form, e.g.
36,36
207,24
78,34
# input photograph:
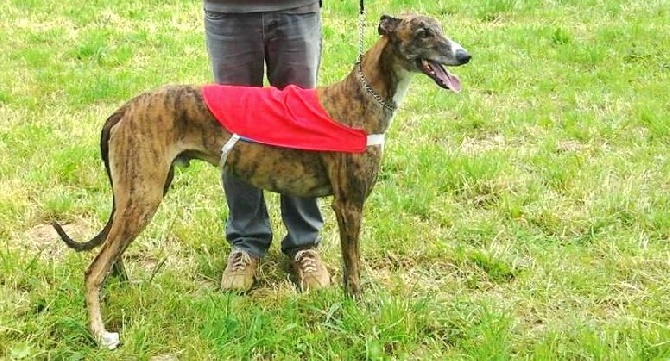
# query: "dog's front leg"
349,222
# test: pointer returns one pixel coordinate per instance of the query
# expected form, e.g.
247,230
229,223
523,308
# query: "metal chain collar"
359,71
388,105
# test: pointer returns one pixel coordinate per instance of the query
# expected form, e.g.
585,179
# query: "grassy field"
526,218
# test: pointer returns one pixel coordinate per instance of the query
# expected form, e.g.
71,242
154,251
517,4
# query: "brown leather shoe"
240,272
310,272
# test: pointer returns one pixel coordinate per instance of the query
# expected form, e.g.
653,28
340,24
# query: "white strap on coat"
375,139
227,148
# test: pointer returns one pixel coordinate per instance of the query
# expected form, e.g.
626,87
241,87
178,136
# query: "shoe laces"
307,259
239,260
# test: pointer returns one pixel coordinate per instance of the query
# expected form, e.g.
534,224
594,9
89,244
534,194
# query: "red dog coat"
288,118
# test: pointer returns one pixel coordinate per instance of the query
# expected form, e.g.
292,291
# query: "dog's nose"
462,56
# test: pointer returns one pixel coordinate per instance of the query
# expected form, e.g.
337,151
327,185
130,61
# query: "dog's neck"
389,104
382,77
351,101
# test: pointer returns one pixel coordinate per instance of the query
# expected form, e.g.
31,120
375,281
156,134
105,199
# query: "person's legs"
293,49
239,46
235,47
236,51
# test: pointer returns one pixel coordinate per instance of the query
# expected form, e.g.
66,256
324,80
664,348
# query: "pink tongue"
453,83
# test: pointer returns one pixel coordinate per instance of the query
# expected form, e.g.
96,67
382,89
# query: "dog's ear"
388,25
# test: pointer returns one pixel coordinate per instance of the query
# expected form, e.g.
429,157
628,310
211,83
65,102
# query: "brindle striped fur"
141,141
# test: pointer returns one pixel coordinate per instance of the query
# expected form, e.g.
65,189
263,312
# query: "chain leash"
361,30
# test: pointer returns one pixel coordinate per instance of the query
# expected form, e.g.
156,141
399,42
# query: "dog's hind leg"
131,222
119,270
134,211
168,180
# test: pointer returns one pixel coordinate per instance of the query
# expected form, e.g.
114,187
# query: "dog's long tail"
83,246
104,152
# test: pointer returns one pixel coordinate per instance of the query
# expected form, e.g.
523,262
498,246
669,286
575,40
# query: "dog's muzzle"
462,56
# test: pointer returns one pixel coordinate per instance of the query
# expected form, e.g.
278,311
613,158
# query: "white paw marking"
111,340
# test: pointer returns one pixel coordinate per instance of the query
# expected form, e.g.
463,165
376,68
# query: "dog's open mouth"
440,75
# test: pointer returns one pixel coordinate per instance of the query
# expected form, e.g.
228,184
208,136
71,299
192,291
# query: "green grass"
526,218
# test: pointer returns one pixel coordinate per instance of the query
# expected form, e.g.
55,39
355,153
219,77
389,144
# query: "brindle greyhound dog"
142,140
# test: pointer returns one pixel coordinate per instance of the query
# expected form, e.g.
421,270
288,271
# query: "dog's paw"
111,340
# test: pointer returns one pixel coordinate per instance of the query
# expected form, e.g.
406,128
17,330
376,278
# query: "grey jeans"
241,46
